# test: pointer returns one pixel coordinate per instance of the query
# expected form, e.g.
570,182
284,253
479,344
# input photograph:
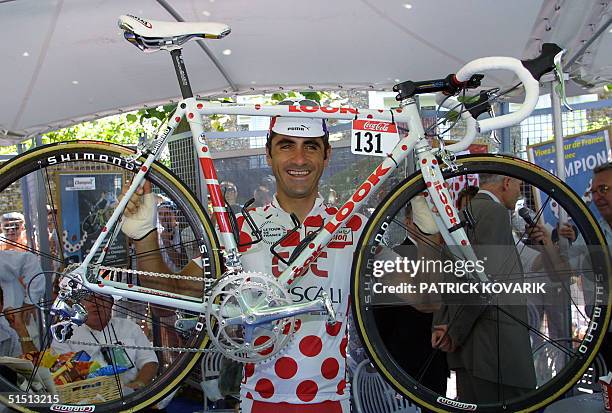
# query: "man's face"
603,202
512,192
51,221
230,194
99,311
12,229
297,164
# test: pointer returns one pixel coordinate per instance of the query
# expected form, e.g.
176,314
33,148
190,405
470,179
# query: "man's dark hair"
603,167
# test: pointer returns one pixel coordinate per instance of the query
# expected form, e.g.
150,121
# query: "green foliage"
125,129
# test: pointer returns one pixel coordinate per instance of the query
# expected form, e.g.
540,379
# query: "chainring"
230,301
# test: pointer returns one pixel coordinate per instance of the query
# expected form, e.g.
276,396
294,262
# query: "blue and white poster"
87,201
583,153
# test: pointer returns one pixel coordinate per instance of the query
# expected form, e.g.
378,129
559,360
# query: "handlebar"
527,71
531,86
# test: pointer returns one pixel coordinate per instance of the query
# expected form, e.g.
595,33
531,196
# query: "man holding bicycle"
309,374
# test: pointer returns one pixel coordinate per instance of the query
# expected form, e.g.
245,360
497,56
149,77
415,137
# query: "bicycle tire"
82,157
379,228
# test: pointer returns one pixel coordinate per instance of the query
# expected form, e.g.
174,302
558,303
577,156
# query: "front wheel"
71,176
488,363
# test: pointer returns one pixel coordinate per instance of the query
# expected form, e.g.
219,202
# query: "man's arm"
33,279
149,259
145,376
16,320
550,258
140,224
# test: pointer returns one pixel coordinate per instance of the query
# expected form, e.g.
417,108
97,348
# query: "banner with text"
583,153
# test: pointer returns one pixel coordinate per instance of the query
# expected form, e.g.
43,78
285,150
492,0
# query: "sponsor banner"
583,153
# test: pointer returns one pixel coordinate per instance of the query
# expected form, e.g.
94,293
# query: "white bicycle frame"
439,196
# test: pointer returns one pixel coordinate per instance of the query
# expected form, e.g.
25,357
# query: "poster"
87,201
583,153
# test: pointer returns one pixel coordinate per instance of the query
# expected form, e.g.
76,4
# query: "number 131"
368,145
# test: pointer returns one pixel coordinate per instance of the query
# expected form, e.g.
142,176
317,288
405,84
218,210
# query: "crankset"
250,316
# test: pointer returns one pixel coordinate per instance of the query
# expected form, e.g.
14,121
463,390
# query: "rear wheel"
504,338
73,176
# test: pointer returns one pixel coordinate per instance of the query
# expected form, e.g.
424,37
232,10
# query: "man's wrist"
145,236
138,384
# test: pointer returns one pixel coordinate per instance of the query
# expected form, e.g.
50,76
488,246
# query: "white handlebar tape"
532,89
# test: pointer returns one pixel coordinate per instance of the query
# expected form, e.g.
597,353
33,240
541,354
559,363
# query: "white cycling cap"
299,127
13,216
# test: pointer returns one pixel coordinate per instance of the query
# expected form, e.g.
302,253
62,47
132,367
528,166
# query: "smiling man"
309,375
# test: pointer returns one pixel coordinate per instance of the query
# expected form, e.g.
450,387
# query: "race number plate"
373,138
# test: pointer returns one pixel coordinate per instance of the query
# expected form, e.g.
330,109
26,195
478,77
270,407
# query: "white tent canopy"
65,61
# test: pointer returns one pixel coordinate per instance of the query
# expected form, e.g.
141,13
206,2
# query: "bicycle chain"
152,274
154,348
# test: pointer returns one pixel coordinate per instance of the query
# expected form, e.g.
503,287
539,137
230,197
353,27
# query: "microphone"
524,213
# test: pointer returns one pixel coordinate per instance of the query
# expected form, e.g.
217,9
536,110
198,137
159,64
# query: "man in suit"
487,345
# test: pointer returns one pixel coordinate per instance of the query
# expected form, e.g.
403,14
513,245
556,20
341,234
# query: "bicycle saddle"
152,35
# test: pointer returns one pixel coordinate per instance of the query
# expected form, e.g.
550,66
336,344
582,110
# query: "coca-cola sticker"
373,137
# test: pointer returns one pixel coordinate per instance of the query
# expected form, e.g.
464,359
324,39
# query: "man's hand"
422,216
135,385
140,217
441,340
538,234
567,231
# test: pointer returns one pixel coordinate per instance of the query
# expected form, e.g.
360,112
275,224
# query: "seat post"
181,73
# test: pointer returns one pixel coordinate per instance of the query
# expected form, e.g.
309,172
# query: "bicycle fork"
438,199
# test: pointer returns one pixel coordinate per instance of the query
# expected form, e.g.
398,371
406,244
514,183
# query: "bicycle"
226,283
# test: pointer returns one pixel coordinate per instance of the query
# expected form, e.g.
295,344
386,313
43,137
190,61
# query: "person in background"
101,327
15,339
332,197
170,235
470,329
230,193
465,196
14,237
412,336
23,284
601,193
262,196
52,226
